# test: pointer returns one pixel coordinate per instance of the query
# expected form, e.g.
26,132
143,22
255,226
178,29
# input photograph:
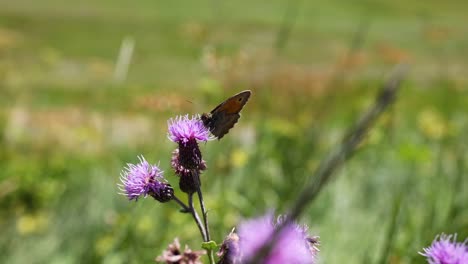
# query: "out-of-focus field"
68,126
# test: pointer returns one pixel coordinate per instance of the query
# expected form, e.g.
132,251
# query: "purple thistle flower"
189,178
182,129
292,246
144,179
312,241
229,251
179,168
445,250
187,132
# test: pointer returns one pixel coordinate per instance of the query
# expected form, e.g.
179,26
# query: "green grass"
68,128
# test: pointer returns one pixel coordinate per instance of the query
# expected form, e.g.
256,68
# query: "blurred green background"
69,122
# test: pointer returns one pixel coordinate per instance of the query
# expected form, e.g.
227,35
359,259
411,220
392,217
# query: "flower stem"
204,214
196,217
185,208
205,221
211,256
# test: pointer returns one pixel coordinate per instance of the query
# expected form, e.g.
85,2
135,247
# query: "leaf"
210,245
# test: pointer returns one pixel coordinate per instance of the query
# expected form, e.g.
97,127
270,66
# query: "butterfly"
224,116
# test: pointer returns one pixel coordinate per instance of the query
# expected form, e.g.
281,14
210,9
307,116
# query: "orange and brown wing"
233,104
225,115
223,123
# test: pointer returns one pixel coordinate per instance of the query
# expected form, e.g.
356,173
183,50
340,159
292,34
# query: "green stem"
205,221
204,214
185,208
196,217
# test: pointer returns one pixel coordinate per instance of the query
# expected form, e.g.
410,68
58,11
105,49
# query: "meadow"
70,123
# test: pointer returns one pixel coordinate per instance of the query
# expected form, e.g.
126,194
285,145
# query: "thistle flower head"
186,132
229,251
183,129
446,250
144,179
292,244
178,166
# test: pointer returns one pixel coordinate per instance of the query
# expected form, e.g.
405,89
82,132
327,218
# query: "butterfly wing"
223,123
221,119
